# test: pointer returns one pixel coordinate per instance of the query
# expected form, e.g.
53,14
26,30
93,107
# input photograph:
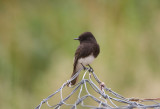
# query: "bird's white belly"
86,60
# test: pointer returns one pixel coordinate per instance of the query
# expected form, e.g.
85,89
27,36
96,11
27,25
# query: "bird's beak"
76,38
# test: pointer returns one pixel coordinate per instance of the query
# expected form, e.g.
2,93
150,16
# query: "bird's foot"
90,68
83,66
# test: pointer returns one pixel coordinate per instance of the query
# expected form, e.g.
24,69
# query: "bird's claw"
83,66
90,68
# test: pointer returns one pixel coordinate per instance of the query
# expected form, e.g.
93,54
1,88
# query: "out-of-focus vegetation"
37,46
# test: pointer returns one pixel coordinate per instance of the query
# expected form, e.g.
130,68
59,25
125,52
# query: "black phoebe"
86,52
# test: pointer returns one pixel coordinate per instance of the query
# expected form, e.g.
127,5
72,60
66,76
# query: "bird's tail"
73,82
75,70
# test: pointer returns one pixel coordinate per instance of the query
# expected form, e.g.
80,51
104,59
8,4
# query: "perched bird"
86,52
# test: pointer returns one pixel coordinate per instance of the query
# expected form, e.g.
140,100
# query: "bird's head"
86,37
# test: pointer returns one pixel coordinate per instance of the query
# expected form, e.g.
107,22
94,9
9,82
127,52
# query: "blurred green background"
37,46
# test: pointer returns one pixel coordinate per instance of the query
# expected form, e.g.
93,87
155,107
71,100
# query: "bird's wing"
81,52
